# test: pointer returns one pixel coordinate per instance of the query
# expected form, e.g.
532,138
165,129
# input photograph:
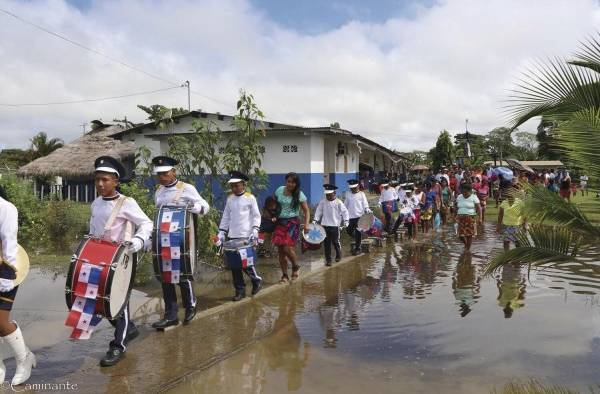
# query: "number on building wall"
290,148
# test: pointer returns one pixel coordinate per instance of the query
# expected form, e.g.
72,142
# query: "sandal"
295,271
284,279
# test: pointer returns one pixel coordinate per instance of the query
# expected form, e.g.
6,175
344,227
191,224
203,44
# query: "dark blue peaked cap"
109,164
237,176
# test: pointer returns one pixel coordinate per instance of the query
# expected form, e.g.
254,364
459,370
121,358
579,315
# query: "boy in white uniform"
386,200
174,192
10,332
241,220
107,174
357,204
331,213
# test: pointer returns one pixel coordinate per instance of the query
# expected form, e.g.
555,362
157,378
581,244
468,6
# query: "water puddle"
415,318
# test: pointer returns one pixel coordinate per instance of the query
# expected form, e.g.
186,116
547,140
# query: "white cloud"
398,82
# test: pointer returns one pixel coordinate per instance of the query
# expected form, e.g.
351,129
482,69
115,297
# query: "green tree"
244,150
525,145
13,158
42,146
161,115
443,152
567,96
499,143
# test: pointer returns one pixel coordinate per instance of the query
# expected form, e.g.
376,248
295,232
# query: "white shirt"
412,202
388,194
356,203
130,212
9,226
418,197
331,213
166,195
240,216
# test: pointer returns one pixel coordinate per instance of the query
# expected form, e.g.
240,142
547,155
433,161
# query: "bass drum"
116,268
174,244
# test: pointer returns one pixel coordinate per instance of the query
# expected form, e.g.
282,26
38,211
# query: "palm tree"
42,146
566,95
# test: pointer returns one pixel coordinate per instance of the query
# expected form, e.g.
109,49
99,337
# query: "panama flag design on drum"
170,242
88,281
82,318
247,257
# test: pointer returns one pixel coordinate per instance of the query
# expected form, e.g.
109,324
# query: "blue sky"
317,16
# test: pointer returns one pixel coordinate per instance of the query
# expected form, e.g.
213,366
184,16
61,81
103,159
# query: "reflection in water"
511,289
284,349
388,324
466,284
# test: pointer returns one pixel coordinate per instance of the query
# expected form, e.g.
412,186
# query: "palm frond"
557,89
578,139
588,55
541,206
540,245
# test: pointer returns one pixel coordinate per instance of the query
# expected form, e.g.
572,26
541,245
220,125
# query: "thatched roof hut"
75,161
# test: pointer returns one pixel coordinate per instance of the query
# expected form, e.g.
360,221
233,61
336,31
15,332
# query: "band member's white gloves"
368,210
6,285
221,236
136,245
254,234
197,209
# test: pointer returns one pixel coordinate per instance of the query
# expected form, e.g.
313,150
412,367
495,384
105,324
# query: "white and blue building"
317,154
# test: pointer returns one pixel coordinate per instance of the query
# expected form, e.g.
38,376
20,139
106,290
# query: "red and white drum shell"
116,279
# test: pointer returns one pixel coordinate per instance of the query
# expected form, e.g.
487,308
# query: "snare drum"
315,235
239,253
174,244
103,270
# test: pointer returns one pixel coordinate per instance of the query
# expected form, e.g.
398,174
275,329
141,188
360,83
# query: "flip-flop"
284,279
295,273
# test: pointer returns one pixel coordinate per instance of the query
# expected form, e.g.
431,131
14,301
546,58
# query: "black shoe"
328,263
164,323
256,286
238,296
189,314
112,357
337,259
131,335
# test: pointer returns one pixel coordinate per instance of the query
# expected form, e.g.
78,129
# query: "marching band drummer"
10,333
357,204
241,220
175,192
107,174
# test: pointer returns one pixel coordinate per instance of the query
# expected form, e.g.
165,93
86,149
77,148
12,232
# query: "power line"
42,28
89,100
96,52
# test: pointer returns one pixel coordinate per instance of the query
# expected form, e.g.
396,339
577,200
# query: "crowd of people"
461,195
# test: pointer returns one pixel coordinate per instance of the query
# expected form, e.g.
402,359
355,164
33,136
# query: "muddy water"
414,318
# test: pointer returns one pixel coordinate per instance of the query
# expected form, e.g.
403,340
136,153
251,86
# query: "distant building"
318,154
69,171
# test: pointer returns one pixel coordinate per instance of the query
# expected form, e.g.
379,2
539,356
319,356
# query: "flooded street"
410,317
417,318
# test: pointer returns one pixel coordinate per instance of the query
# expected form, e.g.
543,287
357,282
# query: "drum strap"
113,216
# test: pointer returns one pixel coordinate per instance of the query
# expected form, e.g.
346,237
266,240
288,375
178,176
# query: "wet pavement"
413,317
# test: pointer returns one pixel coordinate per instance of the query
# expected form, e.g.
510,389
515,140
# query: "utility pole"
83,125
187,83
